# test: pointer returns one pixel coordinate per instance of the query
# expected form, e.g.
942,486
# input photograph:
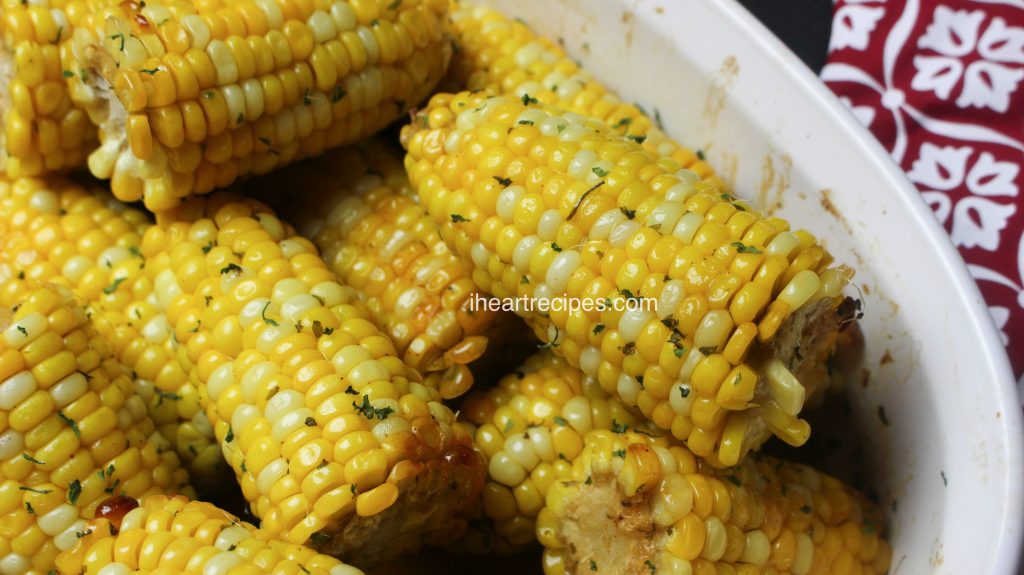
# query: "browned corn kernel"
504,56
72,432
363,216
190,97
555,205
333,438
175,535
638,504
41,130
60,232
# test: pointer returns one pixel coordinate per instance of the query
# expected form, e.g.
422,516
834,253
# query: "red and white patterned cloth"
939,83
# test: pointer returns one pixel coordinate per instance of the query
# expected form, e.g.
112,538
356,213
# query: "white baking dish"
952,454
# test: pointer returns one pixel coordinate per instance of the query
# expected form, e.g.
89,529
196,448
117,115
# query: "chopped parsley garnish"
628,349
263,315
700,154
637,139
74,490
525,122
560,421
318,539
684,391
207,248
115,37
650,566
630,214
209,95
528,99
337,94
598,328
113,287
623,123
367,410
506,182
679,351
593,565
230,436
599,172
457,218
619,428
583,197
351,390
945,480
28,507
150,71
524,280
508,427
708,349
310,422
166,395
744,248
231,268
555,247
621,453
22,329
68,74
70,423
34,490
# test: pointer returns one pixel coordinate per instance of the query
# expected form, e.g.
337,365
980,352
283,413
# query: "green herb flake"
209,95
231,268
637,139
337,94
945,480
598,328
119,35
744,248
22,329
319,539
310,422
263,314
630,214
525,122
28,507
621,453
165,395
619,427
150,71
707,350
68,74
34,490
367,410
524,280
351,390
508,427
113,287
679,351
684,391
650,566
505,182
70,423
528,99
593,565
700,155
560,421
599,172
457,218
33,459
230,436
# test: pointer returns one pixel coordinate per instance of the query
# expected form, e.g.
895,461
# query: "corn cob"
192,96
59,232
550,205
71,430
530,427
172,535
637,504
363,216
334,441
504,56
43,131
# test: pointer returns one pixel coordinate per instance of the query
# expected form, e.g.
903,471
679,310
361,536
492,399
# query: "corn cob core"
190,97
363,216
547,204
71,430
530,427
639,505
333,439
59,232
171,535
42,130
504,56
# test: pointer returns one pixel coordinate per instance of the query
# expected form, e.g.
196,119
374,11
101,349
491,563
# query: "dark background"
804,25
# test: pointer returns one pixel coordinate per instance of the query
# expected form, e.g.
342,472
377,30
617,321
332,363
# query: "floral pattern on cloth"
939,83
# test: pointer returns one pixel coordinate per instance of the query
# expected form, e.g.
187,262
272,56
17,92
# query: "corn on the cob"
637,504
172,535
363,216
60,232
71,430
192,96
551,205
42,130
504,56
333,440
530,427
